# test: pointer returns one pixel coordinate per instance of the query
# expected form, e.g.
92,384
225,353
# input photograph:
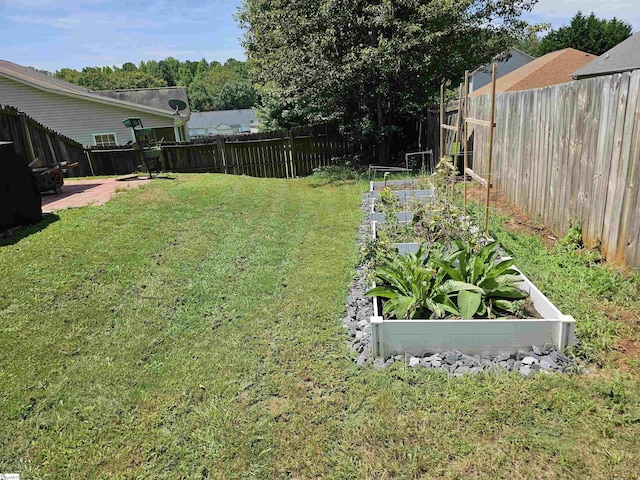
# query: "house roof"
44,82
244,117
550,69
621,58
152,97
501,58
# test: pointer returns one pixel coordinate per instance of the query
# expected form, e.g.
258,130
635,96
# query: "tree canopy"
372,64
589,34
210,86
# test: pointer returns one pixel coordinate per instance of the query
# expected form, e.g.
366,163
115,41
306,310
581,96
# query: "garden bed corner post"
377,337
566,332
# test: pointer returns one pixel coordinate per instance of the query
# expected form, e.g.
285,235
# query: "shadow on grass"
24,231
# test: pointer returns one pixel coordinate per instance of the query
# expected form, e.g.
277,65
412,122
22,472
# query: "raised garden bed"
473,336
484,336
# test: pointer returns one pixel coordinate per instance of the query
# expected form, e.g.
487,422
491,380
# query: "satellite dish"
177,105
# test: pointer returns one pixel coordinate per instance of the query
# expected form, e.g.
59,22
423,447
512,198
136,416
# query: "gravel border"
358,311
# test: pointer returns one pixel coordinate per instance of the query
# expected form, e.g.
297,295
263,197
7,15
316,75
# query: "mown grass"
190,329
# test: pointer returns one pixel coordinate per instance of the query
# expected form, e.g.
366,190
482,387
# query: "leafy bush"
573,238
337,174
413,287
497,280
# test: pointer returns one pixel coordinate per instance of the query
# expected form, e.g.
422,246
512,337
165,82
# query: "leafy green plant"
497,280
337,174
572,240
413,287
440,221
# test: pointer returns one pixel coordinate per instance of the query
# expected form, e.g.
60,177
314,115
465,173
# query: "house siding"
74,117
517,60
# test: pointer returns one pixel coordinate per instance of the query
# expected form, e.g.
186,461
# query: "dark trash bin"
20,202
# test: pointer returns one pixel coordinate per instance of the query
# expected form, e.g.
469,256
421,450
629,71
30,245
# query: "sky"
54,34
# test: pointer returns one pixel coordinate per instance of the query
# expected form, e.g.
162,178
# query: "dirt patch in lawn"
520,221
627,352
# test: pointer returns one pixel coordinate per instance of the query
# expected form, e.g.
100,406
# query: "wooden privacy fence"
570,153
280,154
33,140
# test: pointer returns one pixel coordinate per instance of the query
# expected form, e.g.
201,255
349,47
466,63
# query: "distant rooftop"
623,57
501,58
157,97
55,85
550,69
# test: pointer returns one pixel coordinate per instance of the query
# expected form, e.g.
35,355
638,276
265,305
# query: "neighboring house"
507,62
91,118
223,122
550,69
623,57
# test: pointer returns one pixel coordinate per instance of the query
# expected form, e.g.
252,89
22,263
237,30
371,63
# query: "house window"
105,139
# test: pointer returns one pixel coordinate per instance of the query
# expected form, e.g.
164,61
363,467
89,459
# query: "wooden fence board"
570,152
620,165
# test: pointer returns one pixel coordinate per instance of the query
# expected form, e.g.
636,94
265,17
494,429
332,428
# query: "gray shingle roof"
244,117
152,97
55,85
623,57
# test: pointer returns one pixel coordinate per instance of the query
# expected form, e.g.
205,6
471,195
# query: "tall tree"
369,63
589,34
210,86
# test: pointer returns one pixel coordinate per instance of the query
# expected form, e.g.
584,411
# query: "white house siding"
479,78
74,117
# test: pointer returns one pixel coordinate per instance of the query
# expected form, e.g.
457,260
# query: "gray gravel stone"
529,360
525,370
413,361
548,359
502,357
378,363
451,357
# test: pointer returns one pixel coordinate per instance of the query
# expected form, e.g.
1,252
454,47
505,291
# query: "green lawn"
191,329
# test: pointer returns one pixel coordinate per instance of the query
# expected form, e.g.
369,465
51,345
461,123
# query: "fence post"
163,161
31,154
222,151
88,154
291,140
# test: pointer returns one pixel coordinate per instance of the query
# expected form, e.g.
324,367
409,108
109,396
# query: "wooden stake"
455,158
441,121
466,143
491,128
